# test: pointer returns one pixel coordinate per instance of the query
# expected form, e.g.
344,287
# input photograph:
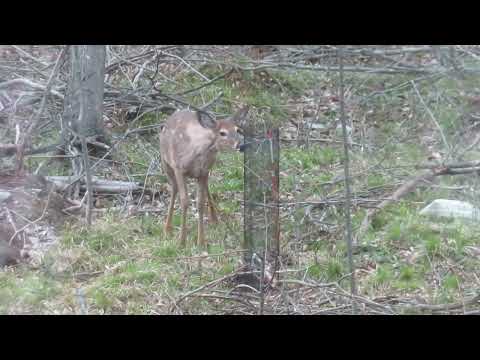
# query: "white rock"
451,209
316,126
4,196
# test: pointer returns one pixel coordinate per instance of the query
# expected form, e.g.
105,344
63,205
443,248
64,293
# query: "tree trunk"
87,75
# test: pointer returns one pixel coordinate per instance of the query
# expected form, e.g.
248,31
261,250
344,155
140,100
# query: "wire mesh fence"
382,187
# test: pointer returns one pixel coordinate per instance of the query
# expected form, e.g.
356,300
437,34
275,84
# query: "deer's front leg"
212,211
201,193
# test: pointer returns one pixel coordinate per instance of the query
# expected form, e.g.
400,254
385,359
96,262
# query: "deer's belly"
199,167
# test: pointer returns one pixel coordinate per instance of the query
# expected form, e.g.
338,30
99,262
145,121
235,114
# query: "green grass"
381,280
383,275
409,278
23,291
166,252
309,159
451,282
136,265
335,269
432,243
315,271
375,180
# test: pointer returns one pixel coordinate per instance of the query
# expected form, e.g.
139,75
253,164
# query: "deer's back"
186,145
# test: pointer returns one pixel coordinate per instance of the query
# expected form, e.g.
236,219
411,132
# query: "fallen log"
98,185
8,149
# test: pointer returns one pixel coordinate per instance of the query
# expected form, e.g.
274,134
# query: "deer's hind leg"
182,190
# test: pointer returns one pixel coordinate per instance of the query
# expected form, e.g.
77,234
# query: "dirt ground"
31,213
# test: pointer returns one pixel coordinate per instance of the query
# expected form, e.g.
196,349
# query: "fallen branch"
98,185
402,191
31,84
11,149
44,149
29,56
211,283
444,307
8,149
384,70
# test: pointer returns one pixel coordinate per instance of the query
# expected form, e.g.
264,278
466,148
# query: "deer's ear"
206,120
240,117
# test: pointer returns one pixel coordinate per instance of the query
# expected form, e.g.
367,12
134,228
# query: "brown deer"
189,143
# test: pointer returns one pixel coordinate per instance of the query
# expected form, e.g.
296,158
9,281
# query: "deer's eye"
223,133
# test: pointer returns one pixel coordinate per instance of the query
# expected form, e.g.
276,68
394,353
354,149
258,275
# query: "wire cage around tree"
261,194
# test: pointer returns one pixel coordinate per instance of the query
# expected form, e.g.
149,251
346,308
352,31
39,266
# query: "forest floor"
404,263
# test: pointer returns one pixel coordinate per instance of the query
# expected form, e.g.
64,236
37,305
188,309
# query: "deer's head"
228,131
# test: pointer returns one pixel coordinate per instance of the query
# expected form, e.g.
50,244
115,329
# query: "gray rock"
454,209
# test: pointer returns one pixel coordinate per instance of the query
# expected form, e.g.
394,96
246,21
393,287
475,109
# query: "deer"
189,144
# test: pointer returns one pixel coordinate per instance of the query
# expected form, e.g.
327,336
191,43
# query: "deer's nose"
242,147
